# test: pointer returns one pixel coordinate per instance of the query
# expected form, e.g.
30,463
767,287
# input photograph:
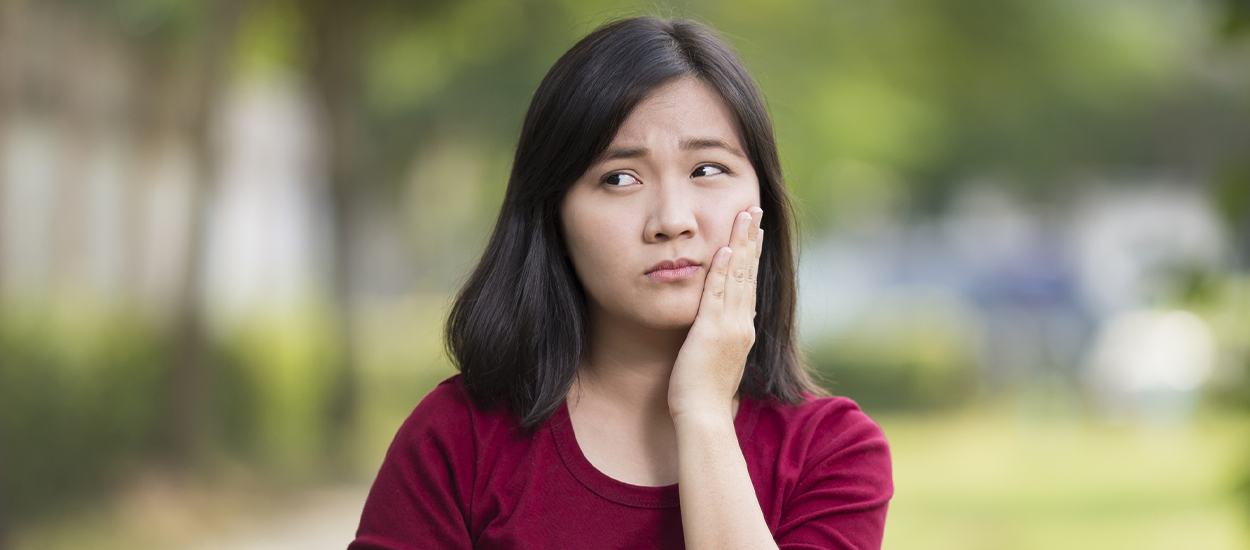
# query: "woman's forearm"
719,508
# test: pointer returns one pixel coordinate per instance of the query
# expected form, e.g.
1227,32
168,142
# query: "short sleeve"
843,492
421,496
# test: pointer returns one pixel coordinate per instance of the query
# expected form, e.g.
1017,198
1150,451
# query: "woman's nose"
672,212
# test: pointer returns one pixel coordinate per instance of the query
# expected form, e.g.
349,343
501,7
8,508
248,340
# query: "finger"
714,285
755,269
755,264
738,287
758,226
757,216
756,246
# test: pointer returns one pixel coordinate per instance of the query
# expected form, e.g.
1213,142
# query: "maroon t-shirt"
457,476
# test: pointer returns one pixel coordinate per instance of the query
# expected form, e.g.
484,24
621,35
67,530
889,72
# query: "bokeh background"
230,232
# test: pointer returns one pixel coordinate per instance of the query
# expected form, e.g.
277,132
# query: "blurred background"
230,232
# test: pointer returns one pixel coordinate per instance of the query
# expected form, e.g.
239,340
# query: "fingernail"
757,210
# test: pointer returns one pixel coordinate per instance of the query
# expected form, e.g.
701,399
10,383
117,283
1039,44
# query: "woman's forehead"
678,111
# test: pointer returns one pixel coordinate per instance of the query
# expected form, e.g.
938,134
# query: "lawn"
992,480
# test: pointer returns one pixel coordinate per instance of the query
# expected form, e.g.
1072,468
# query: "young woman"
628,368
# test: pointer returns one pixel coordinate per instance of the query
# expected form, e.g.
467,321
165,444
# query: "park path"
324,518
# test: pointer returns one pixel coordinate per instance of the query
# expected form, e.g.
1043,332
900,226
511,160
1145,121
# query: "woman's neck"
627,368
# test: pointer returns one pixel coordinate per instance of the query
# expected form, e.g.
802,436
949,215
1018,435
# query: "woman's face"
667,187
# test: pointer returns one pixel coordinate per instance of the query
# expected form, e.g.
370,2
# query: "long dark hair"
517,329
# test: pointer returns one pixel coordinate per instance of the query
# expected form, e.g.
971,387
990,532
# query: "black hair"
517,329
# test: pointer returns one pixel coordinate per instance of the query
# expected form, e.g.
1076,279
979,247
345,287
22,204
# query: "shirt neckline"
615,490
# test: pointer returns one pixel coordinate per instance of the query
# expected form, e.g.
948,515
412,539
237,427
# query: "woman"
630,330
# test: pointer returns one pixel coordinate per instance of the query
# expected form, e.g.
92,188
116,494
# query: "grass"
986,479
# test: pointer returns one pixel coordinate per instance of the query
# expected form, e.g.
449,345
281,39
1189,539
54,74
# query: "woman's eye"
608,178
719,169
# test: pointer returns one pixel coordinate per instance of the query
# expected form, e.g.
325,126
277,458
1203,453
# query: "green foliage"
84,401
157,24
76,407
273,383
269,40
1236,18
927,94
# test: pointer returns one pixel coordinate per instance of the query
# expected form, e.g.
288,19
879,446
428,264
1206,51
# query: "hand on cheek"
712,360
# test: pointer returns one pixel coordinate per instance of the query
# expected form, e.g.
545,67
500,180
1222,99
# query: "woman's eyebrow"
690,144
686,144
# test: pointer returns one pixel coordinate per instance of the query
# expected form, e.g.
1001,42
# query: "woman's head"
566,240
667,188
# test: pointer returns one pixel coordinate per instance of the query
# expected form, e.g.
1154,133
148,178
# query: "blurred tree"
10,44
334,42
338,40
186,48
1236,17
192,372
1232,185
1233,198
384,73
10,40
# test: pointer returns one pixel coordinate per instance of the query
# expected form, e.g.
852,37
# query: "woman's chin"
670,318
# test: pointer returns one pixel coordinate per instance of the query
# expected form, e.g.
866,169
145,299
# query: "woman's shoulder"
444,409
822,426
819,412
448,397
448,407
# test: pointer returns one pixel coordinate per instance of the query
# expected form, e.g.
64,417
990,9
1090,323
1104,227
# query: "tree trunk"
11,15
190,380
335,45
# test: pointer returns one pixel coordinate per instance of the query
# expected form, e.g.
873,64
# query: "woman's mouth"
675,274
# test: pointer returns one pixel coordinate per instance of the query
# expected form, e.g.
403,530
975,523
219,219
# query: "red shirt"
457,476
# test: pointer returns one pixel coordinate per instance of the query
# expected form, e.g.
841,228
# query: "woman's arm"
845,486
718,504
719,508
840,498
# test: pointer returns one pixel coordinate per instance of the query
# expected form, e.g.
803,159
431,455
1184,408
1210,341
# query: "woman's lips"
674,275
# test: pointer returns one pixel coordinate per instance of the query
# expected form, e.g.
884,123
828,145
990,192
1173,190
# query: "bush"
908,356
76,406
